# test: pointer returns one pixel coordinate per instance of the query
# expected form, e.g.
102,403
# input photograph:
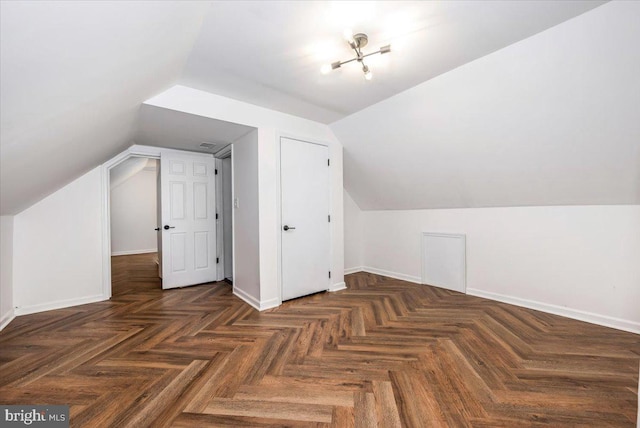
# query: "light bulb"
348,35
325,69
367,72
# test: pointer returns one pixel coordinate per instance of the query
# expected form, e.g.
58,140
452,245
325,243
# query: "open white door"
188,220
304,174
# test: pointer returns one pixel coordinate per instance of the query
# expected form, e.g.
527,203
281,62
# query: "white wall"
6,270
134,214
58,241
550,120
353,235
271,125
246,244
58,248
578,261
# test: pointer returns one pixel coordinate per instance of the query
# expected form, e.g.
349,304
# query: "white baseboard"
347,271
131,252
395,275
339,286
257,304
6,319
247,298
59,304
268,304
590,317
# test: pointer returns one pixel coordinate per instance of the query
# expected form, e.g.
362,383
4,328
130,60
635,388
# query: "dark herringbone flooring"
382,353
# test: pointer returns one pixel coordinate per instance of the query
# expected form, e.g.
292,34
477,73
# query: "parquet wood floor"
382,353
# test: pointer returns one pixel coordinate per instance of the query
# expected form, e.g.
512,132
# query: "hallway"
138,272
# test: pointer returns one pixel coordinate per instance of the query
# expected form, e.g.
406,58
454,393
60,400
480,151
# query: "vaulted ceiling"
72,78
74,75
270,53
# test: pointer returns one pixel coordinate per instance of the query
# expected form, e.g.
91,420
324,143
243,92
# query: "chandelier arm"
347,61
372,53
357,42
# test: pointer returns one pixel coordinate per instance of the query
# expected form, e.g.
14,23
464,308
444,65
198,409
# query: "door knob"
167,227
287,227
156,229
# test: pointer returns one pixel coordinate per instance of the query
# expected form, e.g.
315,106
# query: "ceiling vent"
207,146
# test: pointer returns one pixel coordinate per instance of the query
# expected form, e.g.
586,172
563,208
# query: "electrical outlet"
236,203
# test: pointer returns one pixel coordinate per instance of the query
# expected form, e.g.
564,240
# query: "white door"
304,174
188,220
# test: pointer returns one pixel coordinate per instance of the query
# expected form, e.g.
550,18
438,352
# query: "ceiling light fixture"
356,42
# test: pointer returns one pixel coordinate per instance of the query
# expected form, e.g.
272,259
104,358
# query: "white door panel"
188,220
305,212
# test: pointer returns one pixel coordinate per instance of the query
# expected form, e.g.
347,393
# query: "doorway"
184,215
133,188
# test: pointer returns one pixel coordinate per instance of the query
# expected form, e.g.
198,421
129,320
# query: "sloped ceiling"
128,168
270,53
551,120
177,130
74,74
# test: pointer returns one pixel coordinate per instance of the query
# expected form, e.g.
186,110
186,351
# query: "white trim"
255,303
59,304
268,304
219,221
395,275
590,317
131,252
233,219
338,286
348,271
6,319
278,214
247,298
225,152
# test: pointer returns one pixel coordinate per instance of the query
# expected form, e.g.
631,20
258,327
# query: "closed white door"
304,174
188,220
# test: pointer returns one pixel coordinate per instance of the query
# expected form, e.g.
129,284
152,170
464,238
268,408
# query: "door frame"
279,137
105,170
225,153
219,220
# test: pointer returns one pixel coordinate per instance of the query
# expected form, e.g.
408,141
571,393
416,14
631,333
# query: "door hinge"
216,171
217,260
329,274
329,216
216,216
328,162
